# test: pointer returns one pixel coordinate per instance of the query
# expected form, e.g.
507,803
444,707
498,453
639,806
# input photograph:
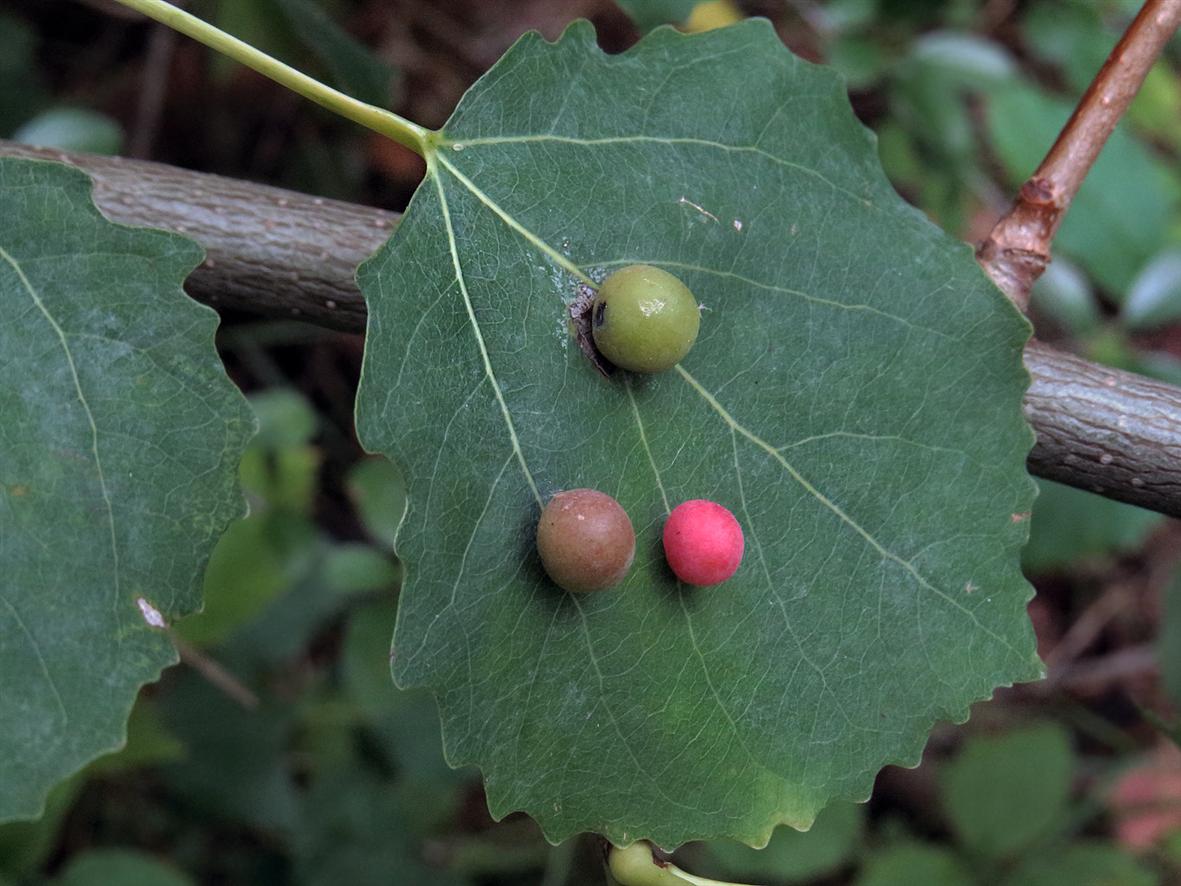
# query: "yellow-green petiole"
379,120
637,866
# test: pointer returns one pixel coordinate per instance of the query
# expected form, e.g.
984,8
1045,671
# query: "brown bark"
268,251
283,254
1104,430
1017,251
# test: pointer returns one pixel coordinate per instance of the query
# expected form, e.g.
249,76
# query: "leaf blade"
122,443
650,711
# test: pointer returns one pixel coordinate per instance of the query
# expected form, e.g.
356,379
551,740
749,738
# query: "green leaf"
280,468
378,491
1156,112
1064,296
286,419
72,129
127,867
118,469
1070,35
1154,298
21,90
363,832
962,60
237,768
24,845
406,720
648,14
791,856
908,864
1002,794
246,572
854,397
357,568
1083,864
292,29
352,65
320,579
1071,524
149,743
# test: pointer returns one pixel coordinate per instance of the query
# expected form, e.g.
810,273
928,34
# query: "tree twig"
268,251
282,254
1018,249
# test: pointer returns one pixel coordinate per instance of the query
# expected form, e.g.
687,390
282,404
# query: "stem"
282,254
379,120
1018,249
637,866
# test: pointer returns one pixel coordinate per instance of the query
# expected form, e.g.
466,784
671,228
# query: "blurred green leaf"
839,16
1120,217
1154,298
326,739
21,91
962,60
24,845
120,867
352,66
259,23
900,156
279,467
285,419
72,129
1064,296
861,60
912,864
361,831
406,720
1070,35
323,577
295,29
1156,111
1111,346
247,571
236,769
149,742
282,478
1160,365
934,112
1082,864
792,855
1004,793
357,568
647,14
1070,525
378,491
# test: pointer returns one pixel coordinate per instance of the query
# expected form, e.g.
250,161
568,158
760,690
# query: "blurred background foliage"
280,752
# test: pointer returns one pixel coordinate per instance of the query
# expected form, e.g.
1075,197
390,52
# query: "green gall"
644,319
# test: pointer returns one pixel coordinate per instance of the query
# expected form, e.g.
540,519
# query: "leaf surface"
118,469
854,398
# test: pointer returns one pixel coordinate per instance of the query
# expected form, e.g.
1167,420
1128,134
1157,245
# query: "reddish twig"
1018,249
